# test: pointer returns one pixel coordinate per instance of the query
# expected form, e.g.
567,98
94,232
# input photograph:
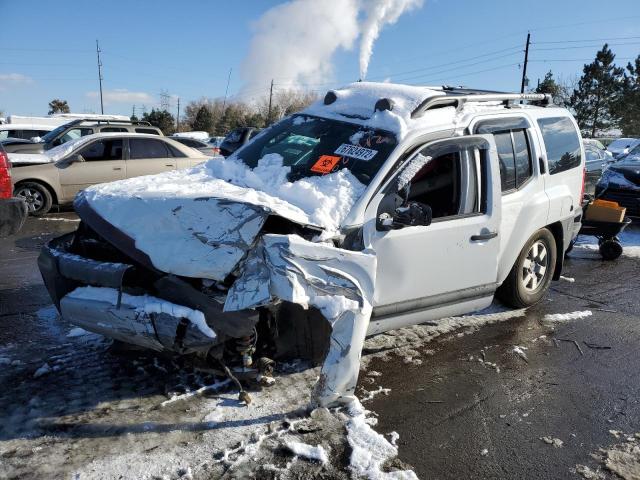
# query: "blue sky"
47,49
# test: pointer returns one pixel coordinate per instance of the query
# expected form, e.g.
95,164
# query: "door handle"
169,165
117,168
483,236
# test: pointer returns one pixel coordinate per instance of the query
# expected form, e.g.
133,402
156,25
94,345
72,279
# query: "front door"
453,259
148,156
102,162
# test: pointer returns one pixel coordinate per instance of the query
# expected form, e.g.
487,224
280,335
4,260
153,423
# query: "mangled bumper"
90,294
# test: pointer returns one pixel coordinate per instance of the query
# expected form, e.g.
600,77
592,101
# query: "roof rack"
458,97
110,121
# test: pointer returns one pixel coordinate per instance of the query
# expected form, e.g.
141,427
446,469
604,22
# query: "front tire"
531,275
36,196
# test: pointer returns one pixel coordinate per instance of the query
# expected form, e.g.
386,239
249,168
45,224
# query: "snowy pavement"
459,398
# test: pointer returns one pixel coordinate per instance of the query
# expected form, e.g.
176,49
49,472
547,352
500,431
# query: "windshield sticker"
353,151
325,164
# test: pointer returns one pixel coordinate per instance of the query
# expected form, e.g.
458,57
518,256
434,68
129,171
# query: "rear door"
103,162
452,261
148,156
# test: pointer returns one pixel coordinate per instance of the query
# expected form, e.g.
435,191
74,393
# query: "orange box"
605,211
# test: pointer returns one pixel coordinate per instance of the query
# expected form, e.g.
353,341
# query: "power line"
586,46
590,40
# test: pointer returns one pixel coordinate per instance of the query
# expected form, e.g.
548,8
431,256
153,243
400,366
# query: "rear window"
561,142
147,130
148,148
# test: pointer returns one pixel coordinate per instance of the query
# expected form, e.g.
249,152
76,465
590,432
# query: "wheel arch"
557,230
45,184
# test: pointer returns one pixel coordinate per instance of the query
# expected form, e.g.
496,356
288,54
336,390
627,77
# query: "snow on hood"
201,222
356,102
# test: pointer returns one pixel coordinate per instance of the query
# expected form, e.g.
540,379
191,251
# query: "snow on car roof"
355,103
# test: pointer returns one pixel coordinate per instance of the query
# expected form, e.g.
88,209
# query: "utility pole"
226,91
164,100
270,98
133,113
100,76
526,60
178,117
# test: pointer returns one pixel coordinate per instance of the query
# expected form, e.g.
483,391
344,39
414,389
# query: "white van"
377,207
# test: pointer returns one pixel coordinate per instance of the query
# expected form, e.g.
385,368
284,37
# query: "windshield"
317,146
49,137
632,157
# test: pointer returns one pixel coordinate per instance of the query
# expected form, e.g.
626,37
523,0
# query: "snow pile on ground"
623,459
144,303
370,450
308,451
403,341
556,442
565,317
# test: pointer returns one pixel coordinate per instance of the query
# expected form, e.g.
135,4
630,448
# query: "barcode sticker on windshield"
354,151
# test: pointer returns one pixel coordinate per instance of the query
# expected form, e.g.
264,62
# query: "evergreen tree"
595,101
628,109
550,86
204,120
161,119
58,106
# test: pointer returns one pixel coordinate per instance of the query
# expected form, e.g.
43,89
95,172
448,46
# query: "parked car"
621,183
13,211
215,142
622,146
81,128
378,207
597,143
23,131
54,177
203,147
597,160
236,139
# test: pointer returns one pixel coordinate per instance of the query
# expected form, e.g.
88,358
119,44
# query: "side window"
448,183
507,160
73,134
147,130
148,148
514,153
175,152
524,169
108,149
4,133
591,154
561,142
113,129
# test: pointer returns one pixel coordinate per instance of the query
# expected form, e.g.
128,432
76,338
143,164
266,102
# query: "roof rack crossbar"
110,121
458,100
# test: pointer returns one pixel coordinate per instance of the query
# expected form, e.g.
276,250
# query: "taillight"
6,190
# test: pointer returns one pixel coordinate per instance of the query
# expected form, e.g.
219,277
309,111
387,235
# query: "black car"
621,183
13,211
236,139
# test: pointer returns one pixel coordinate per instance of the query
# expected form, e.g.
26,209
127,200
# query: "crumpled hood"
191,222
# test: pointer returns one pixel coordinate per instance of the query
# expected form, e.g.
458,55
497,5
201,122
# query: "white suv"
379,206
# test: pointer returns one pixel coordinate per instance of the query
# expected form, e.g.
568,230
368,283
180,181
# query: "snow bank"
565,317
308,451
370,450
144,303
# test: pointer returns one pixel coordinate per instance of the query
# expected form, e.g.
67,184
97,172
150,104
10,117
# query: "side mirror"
413,214
76,158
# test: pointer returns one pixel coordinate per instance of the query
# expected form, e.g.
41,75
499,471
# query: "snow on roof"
356,102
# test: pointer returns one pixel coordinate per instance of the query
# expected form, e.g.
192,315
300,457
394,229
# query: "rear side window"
561,143
147,130
107,149
515,158
148,148
113,129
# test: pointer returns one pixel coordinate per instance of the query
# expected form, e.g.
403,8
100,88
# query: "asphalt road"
456,417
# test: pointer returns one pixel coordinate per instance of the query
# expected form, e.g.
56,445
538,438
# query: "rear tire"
531,275
37,197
